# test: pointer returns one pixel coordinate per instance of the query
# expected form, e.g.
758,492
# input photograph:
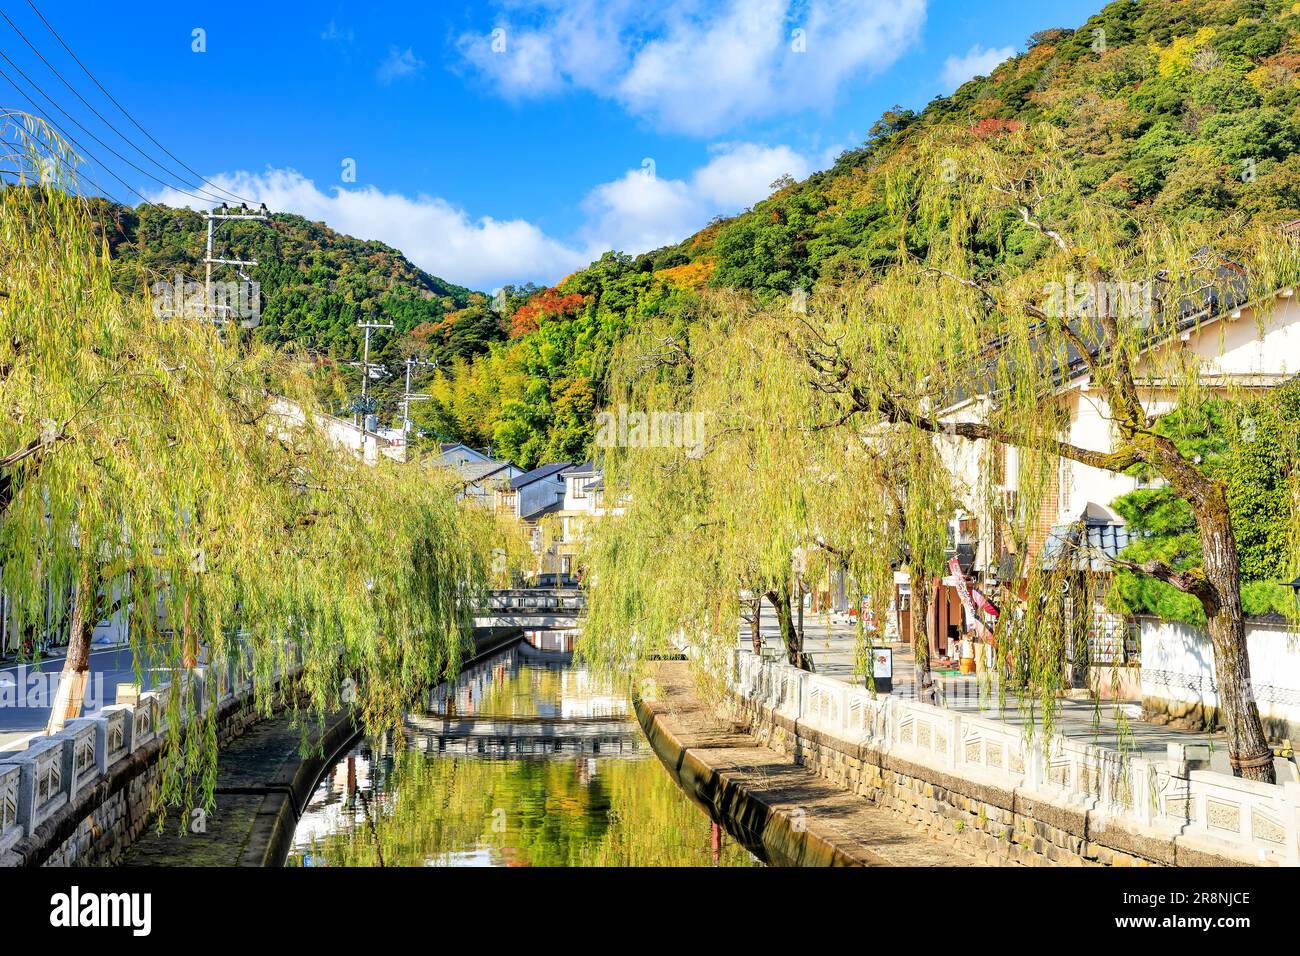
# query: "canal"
526,760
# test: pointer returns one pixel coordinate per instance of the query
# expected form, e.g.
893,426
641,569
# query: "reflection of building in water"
335,805
560,640
523,681
581,695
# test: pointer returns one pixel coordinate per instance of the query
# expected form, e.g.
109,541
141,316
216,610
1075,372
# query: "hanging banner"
963,592
984,604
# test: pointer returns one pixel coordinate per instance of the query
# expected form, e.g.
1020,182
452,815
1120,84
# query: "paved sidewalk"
797,816
27,689
831,642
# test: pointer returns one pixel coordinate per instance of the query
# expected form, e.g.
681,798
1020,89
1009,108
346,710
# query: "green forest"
1166,109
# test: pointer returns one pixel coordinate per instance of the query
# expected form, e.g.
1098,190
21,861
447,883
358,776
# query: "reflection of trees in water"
527,813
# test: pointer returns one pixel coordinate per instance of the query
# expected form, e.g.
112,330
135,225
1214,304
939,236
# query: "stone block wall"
114,797
1002,826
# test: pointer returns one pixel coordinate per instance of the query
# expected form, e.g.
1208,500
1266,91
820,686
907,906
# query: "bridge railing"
534,601
38,782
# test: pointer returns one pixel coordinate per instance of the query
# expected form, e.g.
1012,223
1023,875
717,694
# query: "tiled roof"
538,473
1222,287
537,513
473,471
1087,542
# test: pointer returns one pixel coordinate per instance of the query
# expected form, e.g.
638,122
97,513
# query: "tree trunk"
780,599
799,593
190,643
1077,635
925,690
756,625
1249,753
76,666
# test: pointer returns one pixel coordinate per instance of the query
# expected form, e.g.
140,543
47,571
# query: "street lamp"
1295,589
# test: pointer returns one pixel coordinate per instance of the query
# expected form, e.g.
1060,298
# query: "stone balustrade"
1165,802
536,599
58,771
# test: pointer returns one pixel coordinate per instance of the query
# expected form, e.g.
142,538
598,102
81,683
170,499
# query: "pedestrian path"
790,814
831,642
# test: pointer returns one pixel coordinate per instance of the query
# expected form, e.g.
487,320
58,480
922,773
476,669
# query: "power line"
79,125
102,119
122,109
84,152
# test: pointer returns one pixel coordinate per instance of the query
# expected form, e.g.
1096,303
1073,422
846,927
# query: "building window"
1063,479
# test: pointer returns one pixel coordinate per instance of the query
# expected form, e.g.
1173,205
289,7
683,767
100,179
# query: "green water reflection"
524,761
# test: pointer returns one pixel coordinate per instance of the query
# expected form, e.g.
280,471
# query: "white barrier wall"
1178,673
1167,800
53,772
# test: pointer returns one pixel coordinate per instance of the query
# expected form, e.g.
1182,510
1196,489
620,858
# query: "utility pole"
409,396
366,366
222,214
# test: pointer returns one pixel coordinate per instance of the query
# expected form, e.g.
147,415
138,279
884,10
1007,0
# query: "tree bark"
780,600
756,626
1249,753
925,690
76,666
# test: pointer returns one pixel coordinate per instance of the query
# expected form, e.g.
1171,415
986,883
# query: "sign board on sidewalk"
882,668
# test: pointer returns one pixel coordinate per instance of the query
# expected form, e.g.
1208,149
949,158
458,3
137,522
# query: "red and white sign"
963,592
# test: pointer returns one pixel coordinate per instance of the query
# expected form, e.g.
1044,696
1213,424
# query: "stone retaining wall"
82,796
990,792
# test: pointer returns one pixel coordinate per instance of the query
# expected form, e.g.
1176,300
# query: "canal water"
525,760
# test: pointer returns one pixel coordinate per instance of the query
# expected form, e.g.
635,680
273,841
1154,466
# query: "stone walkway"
263,784
831,644
800,817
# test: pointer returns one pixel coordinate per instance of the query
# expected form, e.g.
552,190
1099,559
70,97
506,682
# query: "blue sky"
501,141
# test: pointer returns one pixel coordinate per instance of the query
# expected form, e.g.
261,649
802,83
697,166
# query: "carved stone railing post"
80,765
42,789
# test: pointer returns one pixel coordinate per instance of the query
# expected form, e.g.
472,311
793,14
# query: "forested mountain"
1170,108
315,283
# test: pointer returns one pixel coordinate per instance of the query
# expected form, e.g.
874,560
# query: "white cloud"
742,173
432,233
634,213
333,33
398,65
692,67
977,61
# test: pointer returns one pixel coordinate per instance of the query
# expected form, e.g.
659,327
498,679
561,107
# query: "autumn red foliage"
548,303
992,126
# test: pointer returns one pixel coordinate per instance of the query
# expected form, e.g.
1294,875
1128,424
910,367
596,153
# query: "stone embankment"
786,813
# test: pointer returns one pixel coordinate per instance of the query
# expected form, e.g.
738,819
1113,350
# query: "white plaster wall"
1254,348
1178,665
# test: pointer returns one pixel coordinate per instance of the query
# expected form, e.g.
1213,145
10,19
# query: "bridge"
532,608
466,717
495,736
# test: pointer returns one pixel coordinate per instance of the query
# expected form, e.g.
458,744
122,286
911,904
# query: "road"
27,690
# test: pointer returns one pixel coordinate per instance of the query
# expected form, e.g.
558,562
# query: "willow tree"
774,484
705,520
167,468
980,351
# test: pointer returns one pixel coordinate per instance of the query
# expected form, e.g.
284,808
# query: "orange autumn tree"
549,304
